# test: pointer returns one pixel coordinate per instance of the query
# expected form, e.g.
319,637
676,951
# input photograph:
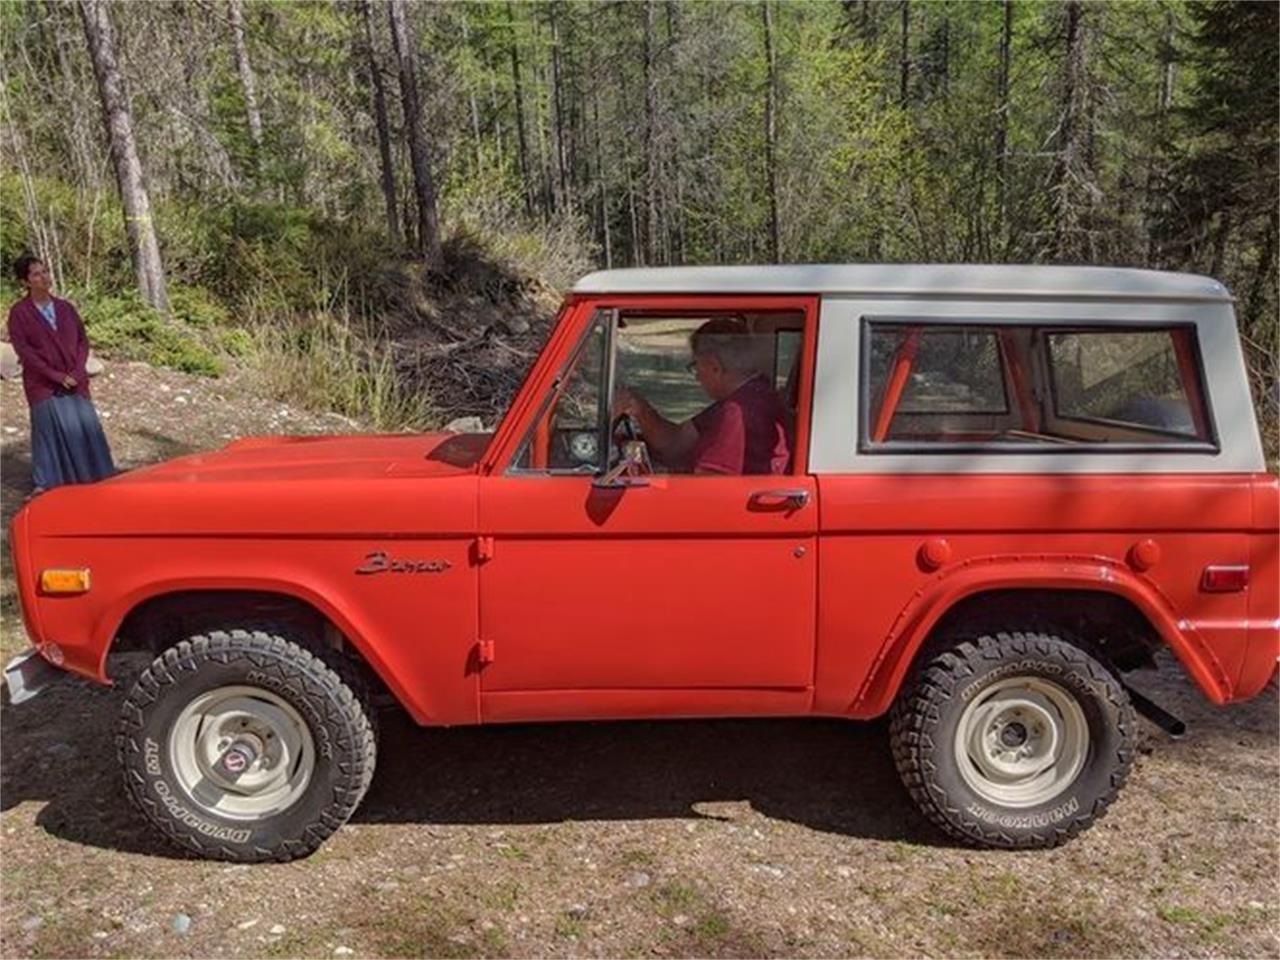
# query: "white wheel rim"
1021,742
214,721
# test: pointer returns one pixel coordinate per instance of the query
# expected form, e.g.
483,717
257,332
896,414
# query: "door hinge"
484,652
484,549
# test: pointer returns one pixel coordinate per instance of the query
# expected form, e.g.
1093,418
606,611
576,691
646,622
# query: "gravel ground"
710,838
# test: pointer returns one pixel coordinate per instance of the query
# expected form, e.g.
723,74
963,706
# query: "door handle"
779,499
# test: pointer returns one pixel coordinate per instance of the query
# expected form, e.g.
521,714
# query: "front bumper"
27,674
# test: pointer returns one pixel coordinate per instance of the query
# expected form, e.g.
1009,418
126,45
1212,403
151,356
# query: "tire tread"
338,698
918,710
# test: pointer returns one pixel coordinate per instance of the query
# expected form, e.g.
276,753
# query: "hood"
362,456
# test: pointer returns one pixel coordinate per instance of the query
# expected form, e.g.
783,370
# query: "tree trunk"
526,175
771,132
1258,288
557,109
946,54
545,161
1220,243
636,260
471,94
602,181
80,130
1155,203
495,112
245,68
650,137
388,169
124,152
1002,122
1069,173
904,58
420,157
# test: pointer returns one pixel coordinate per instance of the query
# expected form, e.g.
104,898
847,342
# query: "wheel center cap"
1013,735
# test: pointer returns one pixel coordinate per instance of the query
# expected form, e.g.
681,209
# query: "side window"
713,393
654,358
787,345
567,433
1130,379
1002,387
954,369
707,393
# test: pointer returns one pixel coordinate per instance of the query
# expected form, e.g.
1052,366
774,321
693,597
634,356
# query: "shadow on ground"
161,446
829,775
15,466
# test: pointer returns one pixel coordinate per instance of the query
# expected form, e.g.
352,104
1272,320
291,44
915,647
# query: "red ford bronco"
974,498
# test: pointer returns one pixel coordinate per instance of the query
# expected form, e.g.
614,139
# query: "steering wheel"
624,428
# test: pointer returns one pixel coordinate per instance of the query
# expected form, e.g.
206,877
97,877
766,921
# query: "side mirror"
632,469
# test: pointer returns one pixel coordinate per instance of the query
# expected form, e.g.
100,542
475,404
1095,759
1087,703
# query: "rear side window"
1132,379
1004,387
954,369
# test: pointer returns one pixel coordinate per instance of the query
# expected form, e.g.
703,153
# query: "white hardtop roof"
903,279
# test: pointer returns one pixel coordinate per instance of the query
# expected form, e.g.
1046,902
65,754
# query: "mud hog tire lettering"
930,732
338,737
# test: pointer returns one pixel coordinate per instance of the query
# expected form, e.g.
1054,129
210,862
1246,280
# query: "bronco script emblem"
380,562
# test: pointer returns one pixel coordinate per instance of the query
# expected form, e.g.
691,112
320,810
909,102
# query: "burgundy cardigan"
48,356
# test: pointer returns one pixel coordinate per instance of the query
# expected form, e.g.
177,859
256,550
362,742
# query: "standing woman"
67,442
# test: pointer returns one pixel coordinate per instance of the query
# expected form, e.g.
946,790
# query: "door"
696,585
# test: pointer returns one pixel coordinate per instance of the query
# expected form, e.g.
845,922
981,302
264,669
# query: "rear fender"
930,603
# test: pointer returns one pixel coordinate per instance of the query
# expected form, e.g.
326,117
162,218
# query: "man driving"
745,430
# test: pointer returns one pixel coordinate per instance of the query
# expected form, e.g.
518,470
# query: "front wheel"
1013,740
242,745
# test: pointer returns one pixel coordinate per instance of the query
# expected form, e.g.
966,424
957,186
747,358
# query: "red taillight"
1224,579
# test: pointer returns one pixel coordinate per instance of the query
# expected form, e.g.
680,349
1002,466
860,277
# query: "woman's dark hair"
22,266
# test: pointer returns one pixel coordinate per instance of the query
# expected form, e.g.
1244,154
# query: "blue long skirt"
67,443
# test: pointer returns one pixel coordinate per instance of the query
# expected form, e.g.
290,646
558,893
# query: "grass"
325,362
1209,927
569,928
501,896
675,897
697,925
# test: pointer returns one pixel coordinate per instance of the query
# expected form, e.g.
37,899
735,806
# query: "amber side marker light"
64,581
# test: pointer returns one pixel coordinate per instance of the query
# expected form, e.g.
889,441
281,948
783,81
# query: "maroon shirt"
48,355
748,431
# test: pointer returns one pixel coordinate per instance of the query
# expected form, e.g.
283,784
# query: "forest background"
375,204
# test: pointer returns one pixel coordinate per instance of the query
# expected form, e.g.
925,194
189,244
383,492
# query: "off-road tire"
337,718
926,716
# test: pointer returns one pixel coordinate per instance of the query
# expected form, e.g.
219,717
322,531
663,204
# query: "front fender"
358,635
1062,572
417,631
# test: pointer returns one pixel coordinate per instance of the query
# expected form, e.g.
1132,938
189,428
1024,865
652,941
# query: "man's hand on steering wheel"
629,402
624,428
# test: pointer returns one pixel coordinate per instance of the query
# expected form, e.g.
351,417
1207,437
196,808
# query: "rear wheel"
1013,740
242,745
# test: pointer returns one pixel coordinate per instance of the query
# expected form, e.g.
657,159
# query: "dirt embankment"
716,838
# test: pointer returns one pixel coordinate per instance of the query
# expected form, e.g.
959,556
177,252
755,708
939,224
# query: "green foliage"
122,325
236,342
326,362
482,211
635,134
80,234
196,307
